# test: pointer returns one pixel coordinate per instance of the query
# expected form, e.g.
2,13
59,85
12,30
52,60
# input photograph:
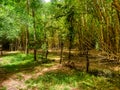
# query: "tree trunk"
116,5
70,46
27,31
27,40
87,61
1,50
61,52
34,26
117,26
46,51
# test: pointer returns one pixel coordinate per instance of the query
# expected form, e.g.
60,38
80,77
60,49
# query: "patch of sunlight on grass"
16,59
59,80
60,87
54,79
20,62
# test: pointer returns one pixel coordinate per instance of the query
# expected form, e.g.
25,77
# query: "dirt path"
17,81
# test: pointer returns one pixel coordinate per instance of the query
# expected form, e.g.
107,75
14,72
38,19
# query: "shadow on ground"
23,63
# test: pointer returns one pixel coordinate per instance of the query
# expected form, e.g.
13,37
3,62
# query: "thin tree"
27,30
35,39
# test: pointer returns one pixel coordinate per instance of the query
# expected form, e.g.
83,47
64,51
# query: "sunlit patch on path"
56,67
12,84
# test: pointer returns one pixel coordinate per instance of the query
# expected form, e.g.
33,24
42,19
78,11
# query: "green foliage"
44,47
35,4
8,28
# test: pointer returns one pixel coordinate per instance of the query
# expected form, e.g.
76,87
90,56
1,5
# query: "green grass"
14,59
15,62
60,80
18,62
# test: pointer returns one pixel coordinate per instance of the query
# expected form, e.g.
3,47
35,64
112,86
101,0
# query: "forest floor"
20,72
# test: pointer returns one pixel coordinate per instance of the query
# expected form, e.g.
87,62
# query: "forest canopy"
85,23
63,24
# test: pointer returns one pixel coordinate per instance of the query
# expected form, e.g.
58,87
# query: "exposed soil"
17,81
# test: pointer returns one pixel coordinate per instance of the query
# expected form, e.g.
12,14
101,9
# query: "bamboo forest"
59,44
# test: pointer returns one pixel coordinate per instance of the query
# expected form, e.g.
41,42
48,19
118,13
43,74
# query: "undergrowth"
18,61
60,80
